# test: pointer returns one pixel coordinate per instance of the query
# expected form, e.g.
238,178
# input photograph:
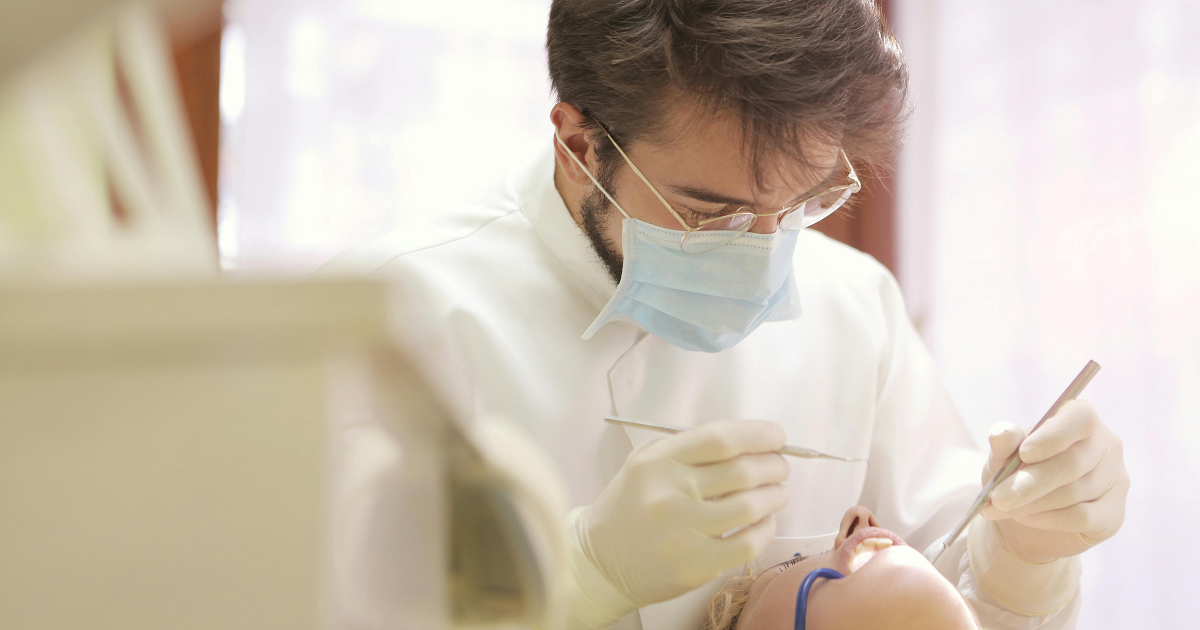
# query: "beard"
596,209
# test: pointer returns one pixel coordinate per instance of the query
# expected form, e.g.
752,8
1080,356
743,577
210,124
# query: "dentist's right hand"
656,531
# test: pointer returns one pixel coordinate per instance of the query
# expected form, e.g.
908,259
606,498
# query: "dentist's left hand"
1070,496
656,531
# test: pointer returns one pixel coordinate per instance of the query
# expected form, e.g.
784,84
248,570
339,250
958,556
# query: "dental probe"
1014,461
794,451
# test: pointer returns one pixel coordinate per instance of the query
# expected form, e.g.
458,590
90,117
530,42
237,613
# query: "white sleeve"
925,472
1005,591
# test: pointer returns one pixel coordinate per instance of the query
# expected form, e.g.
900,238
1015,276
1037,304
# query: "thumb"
1004,438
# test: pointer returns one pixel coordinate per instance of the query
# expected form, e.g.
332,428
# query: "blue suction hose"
802,595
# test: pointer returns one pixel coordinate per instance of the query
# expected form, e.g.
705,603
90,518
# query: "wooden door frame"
196,53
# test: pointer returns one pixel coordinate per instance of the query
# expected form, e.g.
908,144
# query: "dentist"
652,262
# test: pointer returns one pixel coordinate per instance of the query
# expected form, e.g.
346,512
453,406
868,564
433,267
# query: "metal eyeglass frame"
847,189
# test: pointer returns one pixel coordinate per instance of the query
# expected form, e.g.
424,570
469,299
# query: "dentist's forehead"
708,153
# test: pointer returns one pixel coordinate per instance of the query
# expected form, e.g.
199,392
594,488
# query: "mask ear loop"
802,594
589,174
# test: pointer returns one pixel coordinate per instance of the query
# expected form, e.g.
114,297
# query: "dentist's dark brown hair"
789,70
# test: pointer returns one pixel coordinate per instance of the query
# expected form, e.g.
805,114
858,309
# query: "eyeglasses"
709,234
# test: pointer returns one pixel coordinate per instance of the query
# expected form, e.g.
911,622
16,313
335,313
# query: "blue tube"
802,594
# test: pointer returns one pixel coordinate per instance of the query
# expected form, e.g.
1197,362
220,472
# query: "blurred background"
1043,212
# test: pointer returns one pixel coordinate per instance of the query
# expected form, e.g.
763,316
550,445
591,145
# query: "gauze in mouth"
865,551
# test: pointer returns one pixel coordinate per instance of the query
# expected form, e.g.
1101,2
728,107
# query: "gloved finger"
740,473
743,546
1033,482
1087,488
1004,439
1097,519
723,440
739,509
1075,421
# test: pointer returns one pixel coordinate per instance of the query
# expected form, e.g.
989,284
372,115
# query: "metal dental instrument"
1014,460
794,451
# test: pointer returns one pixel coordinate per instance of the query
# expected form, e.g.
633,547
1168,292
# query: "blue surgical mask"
707,301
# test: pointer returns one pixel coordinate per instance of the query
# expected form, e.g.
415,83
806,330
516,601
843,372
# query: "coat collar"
543,207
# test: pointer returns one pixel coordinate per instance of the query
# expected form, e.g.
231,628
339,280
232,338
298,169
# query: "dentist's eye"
700,215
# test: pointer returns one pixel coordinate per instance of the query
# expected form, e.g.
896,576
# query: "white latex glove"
1070,496
656,531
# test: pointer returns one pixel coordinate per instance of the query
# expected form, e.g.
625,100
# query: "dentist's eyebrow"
707,196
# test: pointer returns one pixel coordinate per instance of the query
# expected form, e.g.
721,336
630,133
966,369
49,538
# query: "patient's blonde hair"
726,606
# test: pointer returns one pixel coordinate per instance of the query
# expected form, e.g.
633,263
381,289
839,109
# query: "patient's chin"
897,590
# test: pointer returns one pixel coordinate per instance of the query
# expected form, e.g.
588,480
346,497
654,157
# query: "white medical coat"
491,300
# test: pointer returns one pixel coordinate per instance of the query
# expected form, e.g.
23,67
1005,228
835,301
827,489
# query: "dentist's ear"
568,122
854,518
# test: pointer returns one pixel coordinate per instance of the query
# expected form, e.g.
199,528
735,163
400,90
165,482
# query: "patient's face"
887,585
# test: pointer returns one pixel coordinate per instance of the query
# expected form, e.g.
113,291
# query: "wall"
343,119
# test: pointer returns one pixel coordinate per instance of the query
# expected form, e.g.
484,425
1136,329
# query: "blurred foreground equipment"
163,453
180,452
98,178
178,457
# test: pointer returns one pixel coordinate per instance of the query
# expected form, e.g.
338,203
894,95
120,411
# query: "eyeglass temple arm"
853,173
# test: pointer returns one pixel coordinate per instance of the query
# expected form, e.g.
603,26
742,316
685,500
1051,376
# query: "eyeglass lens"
813,210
